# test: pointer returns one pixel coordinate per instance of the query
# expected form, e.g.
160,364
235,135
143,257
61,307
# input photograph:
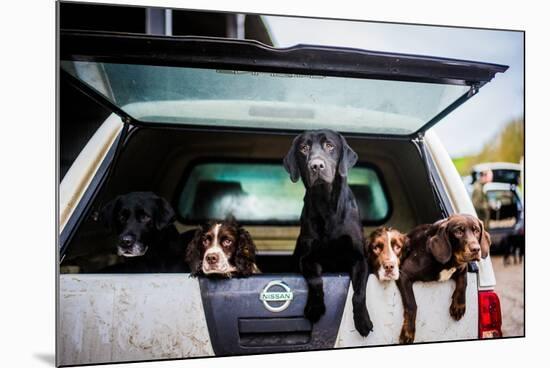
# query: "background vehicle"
206,128
505,201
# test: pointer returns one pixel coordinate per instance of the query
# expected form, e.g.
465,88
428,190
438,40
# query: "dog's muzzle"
129,247
319,172
216,263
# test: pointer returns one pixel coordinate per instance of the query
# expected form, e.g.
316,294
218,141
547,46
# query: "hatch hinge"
474,89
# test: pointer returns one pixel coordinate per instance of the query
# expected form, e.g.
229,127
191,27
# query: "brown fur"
378,252
238,250
449,243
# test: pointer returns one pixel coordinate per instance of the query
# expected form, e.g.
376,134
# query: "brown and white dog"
386,248
439,252
222,248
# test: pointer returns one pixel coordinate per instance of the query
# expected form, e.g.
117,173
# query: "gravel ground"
511,293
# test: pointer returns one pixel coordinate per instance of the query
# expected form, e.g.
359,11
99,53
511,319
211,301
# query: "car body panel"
433,321
459,198
79,176
106,318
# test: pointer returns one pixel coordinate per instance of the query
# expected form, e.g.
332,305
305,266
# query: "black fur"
331,236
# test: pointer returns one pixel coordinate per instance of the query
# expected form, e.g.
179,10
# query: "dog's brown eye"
227,242
476,230
122,218
304,148
329,146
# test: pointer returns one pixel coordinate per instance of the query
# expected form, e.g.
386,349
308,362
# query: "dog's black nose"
212,258
128,240
317,165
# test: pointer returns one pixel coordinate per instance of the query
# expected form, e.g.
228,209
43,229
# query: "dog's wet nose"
475,248
316,165
389,266
212,258
127,240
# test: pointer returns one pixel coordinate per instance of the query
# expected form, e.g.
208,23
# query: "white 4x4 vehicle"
202,121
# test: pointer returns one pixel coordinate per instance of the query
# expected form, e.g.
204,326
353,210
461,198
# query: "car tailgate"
433,321
169,316
106,318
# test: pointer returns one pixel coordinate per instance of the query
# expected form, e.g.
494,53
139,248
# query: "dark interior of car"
158,159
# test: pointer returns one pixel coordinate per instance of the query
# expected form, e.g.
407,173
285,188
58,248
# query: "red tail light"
490,318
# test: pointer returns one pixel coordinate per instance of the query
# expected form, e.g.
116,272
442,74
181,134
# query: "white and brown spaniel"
386,248
222,248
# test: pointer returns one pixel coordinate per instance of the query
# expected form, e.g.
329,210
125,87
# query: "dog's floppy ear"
107,213
245,256
348,158
484,240
405,249
290,162
439,244
164,214
193,254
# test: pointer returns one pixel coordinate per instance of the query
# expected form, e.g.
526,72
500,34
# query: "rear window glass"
238,98
262,193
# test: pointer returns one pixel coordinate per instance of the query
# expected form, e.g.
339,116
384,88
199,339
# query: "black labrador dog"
331,235
147,237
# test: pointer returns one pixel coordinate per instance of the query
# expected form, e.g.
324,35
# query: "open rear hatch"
208,83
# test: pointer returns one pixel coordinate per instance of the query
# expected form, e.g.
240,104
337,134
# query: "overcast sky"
471,125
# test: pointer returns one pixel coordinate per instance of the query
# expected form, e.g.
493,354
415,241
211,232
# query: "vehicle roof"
499,186
496,166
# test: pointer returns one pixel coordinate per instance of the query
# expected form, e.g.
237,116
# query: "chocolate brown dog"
439,252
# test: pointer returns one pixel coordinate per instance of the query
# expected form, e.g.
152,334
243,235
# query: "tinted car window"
262,193
505,208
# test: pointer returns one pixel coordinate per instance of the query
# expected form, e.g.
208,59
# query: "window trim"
184,177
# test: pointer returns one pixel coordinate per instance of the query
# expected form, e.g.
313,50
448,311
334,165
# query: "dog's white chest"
446,274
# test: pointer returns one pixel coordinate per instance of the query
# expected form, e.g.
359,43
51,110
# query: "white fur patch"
445,275
382,275
222,265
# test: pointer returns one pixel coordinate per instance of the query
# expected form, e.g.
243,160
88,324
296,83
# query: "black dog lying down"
438,252
147,237
331,235
222,248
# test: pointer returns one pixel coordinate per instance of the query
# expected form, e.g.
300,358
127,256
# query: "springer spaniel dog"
439,252
386,248
222,248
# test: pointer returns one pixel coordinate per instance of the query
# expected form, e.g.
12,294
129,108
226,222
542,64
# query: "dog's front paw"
313,311
407,335
363,324
457,310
